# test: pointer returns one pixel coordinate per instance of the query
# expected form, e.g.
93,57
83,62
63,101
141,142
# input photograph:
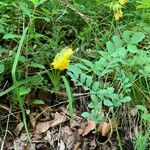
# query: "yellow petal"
123,2
118,14
61,60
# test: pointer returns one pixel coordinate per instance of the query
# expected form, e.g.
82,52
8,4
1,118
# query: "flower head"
123,2
118,14
62,59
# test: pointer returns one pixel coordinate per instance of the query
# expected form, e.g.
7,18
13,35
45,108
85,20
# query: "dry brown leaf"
80,131
77,146
105,128
20,142
46,110
68,136
134,111
76,122
18,128
91,125
32,118
62,145
58,119
42,127
93,144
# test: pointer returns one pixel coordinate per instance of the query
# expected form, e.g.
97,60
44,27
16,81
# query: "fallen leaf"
20,142
76,123
105,128
68,136
93,144
42,127
91,125
134,112
58,119
18,128
76,146
61,145
32,118
46,110
49,138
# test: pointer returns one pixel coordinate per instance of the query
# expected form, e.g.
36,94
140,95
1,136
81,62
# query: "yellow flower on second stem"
118,14
62,59
123,2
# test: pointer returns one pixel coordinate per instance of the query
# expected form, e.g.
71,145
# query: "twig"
3,141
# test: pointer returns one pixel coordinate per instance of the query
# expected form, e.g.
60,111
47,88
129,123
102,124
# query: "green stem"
118,136
70,97
15,82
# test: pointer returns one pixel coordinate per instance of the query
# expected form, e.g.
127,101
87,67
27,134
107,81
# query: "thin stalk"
70,97
118,136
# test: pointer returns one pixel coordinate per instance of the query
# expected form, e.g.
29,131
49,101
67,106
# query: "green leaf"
110,47
25,9
22,59
10,36
108,103
38,102
85,115
95,86
98,106
24,90
126,99
76,71
132,48
146,117
95,99
36,65
87,63
37,2
82,78
91,105
120,52
126,36
137,37
117,41
89,81
82,67
2,67
143,4
141,107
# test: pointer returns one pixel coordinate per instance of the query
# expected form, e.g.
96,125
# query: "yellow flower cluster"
123,2
62,59
118,14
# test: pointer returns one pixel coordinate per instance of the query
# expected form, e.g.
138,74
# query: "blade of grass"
24,81
70,97
15,82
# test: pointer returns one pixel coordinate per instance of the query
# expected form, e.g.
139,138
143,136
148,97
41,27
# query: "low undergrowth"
75,67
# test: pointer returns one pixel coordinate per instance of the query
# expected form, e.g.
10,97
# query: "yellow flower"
123,2
62,59
118,14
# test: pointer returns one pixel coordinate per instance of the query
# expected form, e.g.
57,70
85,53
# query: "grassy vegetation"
97,48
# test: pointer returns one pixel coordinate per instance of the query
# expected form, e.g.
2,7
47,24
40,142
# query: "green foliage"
38,102
112,70
141,141
143,4
120,63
